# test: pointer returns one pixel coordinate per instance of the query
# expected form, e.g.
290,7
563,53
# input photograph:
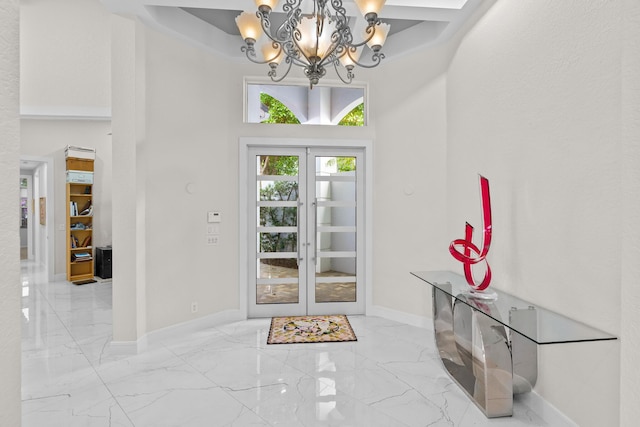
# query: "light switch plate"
214,216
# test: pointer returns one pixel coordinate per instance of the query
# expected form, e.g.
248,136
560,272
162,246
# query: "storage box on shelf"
79,152
79,223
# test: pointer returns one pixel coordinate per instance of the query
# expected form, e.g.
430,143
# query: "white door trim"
243,147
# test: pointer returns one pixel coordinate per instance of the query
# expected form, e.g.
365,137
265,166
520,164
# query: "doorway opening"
36,212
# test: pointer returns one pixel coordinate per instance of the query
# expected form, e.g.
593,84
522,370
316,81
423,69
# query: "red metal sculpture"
468,253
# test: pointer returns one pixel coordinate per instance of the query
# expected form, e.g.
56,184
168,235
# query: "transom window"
298,104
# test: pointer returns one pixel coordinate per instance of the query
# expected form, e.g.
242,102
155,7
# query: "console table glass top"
551,327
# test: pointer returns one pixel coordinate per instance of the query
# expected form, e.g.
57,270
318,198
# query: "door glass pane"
335,279
277,280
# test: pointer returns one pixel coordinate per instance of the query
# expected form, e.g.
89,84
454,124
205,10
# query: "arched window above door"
297,104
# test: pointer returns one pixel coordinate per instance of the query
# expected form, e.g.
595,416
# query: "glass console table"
489,346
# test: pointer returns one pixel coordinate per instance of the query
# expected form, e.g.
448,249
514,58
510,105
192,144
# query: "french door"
305,231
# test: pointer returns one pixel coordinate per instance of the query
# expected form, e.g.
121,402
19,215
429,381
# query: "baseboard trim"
188,327
175,331
400,316
128,348
538,405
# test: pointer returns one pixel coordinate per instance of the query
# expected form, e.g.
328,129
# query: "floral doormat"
310,329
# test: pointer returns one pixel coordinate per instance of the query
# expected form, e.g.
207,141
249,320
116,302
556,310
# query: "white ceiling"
210,23
28,165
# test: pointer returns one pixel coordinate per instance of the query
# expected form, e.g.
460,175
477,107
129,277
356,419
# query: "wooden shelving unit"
79,224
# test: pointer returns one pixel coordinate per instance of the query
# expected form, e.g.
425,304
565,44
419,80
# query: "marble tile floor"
229,376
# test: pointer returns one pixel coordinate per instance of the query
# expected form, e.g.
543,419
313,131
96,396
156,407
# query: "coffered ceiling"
211,23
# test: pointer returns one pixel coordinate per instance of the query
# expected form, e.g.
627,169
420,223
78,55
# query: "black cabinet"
103,262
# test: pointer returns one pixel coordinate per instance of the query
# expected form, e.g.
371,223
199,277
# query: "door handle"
315,231
299,243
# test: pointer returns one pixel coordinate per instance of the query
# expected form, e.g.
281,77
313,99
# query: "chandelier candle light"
315,40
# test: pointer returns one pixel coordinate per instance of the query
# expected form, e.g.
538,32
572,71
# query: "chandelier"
314,40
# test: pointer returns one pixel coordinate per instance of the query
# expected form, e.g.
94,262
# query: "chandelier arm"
265,23
250,52
340,10
342,36
294,14
376,58
273,75
350,75
370,31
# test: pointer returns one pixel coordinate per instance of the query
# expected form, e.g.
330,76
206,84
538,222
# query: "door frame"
244,144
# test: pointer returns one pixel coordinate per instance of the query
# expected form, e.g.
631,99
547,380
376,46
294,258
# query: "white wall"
65,57
408,112
192,89
534,104
9,192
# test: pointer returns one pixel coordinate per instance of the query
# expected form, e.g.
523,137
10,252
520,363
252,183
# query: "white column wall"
128,67
534,104
630,294
10,315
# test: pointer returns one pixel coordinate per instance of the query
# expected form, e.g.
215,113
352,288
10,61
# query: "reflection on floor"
288,292
229,376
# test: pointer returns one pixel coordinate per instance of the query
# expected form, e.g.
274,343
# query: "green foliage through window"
279,165
354,117
345,164
278,112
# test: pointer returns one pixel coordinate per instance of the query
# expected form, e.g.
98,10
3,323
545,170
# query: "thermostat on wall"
214,217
